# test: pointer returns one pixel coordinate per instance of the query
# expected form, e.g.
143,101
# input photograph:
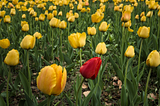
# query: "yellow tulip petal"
73,40
82,39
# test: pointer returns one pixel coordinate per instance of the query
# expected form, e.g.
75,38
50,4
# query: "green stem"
61,48
29,74
126,74
83,79
158,32
145,95
68,27
123,34
52,46
102,37
80,56
139,59
49,99
7,96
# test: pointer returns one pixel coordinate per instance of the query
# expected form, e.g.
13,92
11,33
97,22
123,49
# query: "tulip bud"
37,35
143,32
24,16
28,42
153,59
126,16
15,2
71,19
76,15
25,27
149,14
12,58
91,68
130,52
4,43
2,13
62,24
49,16
101,48
52,79
7,19
137,17
41,17
54,22
91,30
60,13
103,26
13,11
143,18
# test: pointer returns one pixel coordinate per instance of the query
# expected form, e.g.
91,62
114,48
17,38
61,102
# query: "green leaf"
124,100
69,67
1,86
29,101
104,66
87,53
131,89
17,81
43,103
69,100
117,70
67,59
25,83
2,103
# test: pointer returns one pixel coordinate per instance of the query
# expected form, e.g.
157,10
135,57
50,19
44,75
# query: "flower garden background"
79,53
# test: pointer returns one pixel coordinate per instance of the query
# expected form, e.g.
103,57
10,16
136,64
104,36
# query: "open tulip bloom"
91,68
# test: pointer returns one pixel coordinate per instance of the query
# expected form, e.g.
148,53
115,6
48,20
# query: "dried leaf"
120,84
114,84
86,93
151,96
84,86
115,78
108,104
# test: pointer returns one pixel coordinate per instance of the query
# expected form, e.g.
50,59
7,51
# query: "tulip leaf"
1,86
43,103
116,68
2,102
69,100
131,89
16,82
87,53
69,67
124,99
67,59
141,73
155,43
29,101
25,83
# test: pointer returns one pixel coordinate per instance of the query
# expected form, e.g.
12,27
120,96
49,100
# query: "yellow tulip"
101,48
62,24
7,19
159,13
128,8
24,16
15,2
91,30
88,10
149,14
60,13
142,14
46,12
126,16
137,17
49,16
77,40
83,10
103,26
152,4
79,7
28,42
130,30
97,17
25,27
143,18
130,52
116,8
52,79
54,22
127,24
54,13
13,11
143,32
36,18
69,14
23,8
71,19
23,22
41,17
153,59
4,43
50,8
34,14
2,13
37,35
12,58
76,15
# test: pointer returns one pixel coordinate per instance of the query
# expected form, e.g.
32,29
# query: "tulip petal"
82,39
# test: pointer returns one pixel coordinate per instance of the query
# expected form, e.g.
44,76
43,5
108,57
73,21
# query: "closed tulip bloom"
50,8
12,58
13,11
71,19
91,68
24,16
46,12
83,10
52,79
41,17
142,14
116,8
91,30
4,43
34,14
62,24
159,13
126,16
153,59
7,19
49,16
15,2
23,22
54,13
76,15
77,40
2,13
37,35
28,42
101,48
143,18
54,22
143,32
60,13
36,18
25,27
149,14
97,17
130,52
103,26
137,17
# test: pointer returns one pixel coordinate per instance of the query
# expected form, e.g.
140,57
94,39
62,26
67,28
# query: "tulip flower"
153,59
83,10
130,52
152,4
15,2
52,79
149,14
142,14
50,8
137,17
12,58
91,68
54,13
126,16
159,13
37,35
24,16
62,24
97,17
25,27
54,22
77,40
76,15
36,18
60,13
103,26
71,19
41,17
13,11
49,16
143,32
2,13
143,18
91,30
101,48
88,10
7,19
79,6
4,43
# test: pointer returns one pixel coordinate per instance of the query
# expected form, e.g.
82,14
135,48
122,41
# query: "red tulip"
91,68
